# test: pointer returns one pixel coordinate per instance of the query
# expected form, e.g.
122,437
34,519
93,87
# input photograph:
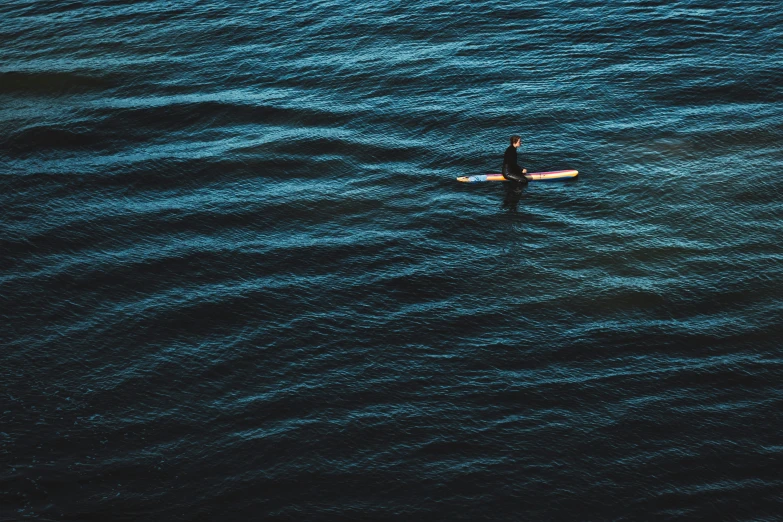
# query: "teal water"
239,280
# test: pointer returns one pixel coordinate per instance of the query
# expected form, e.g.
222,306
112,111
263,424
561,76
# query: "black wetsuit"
511,170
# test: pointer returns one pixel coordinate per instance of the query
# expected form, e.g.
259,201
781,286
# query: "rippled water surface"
240,281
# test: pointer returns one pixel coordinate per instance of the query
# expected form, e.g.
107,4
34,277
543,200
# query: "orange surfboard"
531,176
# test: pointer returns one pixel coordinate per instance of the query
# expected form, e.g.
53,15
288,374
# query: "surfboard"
531,176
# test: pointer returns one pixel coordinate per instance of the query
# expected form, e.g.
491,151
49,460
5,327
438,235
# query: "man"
511,170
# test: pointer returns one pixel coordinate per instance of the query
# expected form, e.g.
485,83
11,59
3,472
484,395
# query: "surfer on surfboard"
511,169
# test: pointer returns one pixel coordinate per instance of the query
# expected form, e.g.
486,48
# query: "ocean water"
239,281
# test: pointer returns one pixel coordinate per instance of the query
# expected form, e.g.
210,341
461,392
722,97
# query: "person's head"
516,141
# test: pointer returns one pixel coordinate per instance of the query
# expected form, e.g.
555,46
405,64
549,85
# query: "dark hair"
515,139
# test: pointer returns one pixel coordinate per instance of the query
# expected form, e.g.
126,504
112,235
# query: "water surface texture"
239,280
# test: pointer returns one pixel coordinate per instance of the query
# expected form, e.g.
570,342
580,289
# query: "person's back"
510,164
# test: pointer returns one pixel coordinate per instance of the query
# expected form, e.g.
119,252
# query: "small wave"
53,83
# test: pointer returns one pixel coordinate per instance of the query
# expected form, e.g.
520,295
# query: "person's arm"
521,169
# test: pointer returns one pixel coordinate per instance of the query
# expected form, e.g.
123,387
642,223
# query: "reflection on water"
513,193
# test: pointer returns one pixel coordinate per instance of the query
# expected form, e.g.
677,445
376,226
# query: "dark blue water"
239,281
